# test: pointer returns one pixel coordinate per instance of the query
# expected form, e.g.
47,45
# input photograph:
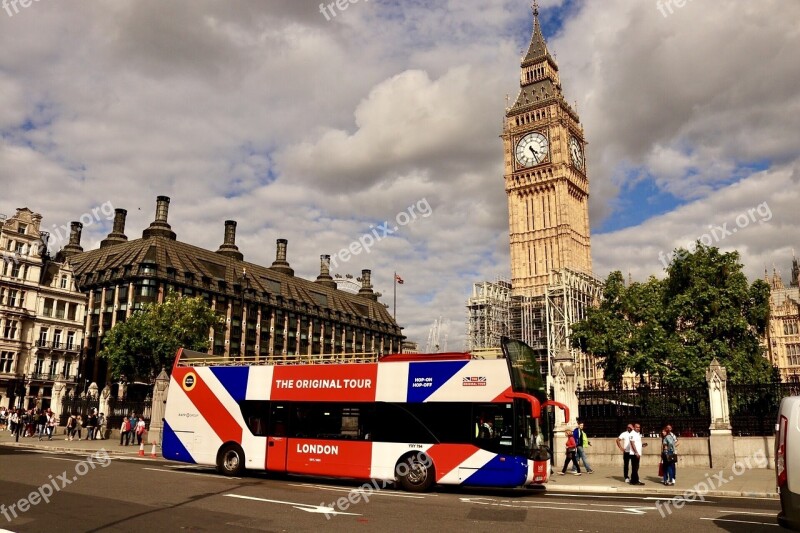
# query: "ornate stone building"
783,333
268,312
41,316
545,176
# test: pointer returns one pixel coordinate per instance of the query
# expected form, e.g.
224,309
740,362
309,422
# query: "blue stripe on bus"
172,447
502,471
426,378
234,379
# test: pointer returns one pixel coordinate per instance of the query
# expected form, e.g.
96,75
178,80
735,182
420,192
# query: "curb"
668,493
61,449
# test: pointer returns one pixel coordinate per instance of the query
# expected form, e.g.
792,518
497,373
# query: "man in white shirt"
636,453
624,445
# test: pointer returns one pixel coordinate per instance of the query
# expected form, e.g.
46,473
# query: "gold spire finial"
535,8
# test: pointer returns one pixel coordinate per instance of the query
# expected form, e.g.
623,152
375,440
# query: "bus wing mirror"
536,407
560,406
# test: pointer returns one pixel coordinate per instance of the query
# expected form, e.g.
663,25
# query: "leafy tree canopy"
672,329
138,348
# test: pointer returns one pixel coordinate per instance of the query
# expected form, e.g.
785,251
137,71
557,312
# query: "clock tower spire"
545,175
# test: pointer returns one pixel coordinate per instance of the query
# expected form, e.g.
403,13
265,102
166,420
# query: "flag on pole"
398,279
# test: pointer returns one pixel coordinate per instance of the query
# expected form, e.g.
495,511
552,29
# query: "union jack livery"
414,419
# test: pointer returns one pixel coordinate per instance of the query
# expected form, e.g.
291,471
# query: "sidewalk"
741,482
738,482
58,444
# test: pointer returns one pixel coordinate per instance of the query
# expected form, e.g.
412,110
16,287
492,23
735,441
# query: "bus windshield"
526,377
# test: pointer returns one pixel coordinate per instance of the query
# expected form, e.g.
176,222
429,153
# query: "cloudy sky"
319,127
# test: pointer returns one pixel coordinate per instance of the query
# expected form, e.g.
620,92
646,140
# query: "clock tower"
545,176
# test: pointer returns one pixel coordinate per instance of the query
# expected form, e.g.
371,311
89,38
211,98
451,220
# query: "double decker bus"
412,419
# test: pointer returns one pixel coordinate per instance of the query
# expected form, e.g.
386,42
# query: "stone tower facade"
545,176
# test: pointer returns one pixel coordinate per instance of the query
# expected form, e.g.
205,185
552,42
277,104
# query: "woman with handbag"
668,456
571,455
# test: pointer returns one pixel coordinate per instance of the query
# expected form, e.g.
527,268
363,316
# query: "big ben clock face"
532,149
576,153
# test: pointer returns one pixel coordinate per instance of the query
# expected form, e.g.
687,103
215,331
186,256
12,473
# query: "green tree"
138,348
671,329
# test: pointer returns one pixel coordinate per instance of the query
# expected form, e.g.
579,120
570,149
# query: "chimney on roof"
324,277
160,227
117,234
229,247
366,285
74,246
280,264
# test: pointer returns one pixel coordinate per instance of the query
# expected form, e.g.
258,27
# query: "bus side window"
277,420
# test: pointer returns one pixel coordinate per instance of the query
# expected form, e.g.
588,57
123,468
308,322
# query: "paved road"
130,494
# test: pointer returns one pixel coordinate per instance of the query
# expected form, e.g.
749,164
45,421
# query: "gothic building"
783,332
41,316
267,312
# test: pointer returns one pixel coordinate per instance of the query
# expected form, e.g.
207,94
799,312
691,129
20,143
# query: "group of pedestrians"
630,444
94,424
38,423
132,429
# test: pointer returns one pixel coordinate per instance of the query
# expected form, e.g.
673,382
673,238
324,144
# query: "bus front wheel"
230,460
415,473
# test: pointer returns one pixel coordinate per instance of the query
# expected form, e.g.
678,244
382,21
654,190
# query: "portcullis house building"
268,312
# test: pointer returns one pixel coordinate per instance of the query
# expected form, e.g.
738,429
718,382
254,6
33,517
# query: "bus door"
277,442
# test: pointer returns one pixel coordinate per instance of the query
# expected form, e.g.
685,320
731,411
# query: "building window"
13,295
53,368
63,282
39,367
793,351
57,339
10,330
43,336
6,362
67,371
19,248
22,228
70,340
48,307
15,270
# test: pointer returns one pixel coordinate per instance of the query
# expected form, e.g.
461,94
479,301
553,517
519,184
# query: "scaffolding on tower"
488,315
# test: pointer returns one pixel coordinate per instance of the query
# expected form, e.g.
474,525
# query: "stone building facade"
268,312
783,333
41,316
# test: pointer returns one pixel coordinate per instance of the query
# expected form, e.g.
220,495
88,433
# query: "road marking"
382,492
301,506
209,475
753,514
646,498
534,505
739,521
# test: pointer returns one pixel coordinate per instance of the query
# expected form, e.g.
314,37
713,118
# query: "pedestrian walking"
636,453
571,453
668,456
79,426
41,424
133,421
140,429
624,445
582,441
90,424
72,422
52,423
101,427
124,431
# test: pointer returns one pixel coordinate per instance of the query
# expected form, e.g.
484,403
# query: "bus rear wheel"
415,473
230,460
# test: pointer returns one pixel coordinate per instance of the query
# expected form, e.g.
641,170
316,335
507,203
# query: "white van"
787,461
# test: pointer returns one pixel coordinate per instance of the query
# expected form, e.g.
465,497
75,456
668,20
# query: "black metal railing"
754,408
607,413
69,346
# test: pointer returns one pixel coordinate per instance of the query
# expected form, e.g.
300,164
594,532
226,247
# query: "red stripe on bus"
447,457
210,408
502,397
